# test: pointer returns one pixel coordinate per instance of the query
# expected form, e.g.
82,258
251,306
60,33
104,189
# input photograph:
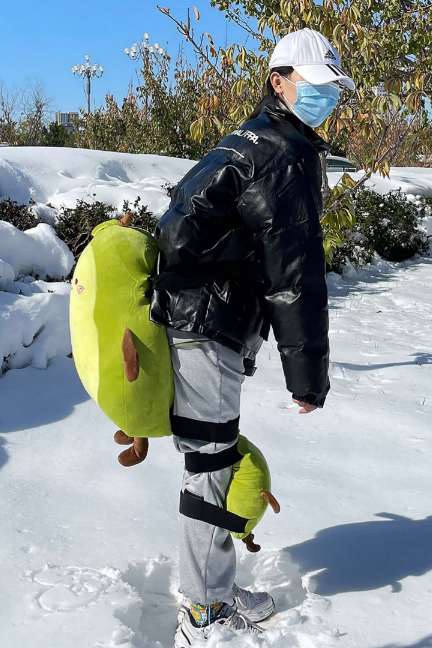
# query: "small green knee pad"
249,492
247,497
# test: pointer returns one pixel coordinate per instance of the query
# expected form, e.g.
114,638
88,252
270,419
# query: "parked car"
336,163
4,143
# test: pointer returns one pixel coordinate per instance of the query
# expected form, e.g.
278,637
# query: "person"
241,250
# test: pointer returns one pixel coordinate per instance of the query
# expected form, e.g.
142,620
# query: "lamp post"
144,50
89,72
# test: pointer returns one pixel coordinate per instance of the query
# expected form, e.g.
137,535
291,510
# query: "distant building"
66,120
379,89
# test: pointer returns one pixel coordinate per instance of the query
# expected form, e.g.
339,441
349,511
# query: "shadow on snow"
33,397
366,555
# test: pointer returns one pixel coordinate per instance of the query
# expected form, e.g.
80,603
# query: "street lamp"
144,50
88,71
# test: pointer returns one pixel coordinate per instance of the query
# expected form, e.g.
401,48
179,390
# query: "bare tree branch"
187,32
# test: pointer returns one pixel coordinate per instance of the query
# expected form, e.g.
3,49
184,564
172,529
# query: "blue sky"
44,39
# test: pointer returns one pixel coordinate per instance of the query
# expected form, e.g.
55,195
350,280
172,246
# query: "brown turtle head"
126,220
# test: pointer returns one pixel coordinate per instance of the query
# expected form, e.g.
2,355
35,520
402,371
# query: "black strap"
249,367
188,428
178,276
198,462
195,507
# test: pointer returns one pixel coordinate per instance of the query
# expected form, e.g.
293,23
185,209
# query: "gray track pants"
208,379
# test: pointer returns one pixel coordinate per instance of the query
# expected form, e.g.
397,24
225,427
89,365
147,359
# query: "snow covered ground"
89,549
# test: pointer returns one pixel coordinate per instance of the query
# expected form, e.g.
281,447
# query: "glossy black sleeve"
285,214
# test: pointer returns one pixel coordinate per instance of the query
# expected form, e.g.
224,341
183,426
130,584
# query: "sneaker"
188,631
256,606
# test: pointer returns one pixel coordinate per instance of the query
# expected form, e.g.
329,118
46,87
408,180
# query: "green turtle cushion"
107,298
251,476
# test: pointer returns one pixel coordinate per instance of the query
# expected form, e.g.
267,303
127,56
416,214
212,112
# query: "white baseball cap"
312,56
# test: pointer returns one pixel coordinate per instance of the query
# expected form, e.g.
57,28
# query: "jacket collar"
278,108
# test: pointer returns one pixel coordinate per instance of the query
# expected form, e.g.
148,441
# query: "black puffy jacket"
241,249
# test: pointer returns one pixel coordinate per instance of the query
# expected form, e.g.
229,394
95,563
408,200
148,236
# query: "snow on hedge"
34,329
34,314
414,181
61,176
7,274
37,251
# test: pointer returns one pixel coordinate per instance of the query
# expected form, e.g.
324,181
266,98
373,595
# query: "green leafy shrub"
75,224
426,201
388,224
168,188
20,216
56,135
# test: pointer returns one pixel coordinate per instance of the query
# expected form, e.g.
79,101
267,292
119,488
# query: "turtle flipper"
123,439
250,544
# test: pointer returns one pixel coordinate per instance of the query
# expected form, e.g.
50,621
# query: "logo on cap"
329,54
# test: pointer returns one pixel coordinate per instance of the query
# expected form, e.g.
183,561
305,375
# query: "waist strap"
198,462
195,507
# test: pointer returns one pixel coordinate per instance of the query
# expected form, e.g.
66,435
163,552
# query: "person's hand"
306,407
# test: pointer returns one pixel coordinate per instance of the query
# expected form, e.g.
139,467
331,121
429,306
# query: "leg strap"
198,462
195,507
188,428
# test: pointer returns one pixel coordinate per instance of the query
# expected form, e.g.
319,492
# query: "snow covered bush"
34,314
36,252
7,274
389,225
21,216
34,328
74,225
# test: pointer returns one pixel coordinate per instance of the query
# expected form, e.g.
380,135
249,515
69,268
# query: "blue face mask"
314,102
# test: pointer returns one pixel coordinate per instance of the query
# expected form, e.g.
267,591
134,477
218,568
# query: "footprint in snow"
68,588
140,604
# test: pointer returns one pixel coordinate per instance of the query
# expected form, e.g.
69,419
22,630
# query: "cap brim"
319,74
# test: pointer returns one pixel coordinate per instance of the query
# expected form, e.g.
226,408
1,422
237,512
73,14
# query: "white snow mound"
34,329
7,274
61,176
37,251
34,314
